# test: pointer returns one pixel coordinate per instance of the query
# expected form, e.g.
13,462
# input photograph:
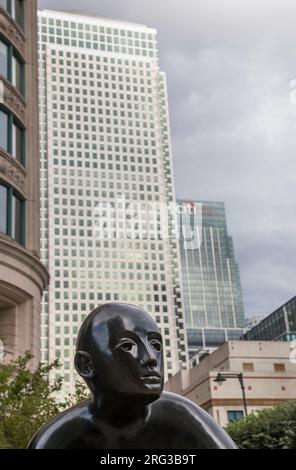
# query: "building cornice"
239,402
23,261
12,172
208,376
14,100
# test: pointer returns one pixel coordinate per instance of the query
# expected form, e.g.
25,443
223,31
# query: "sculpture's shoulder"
182,413
60,431
173,399
178,405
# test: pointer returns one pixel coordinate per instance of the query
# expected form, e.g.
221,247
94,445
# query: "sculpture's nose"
147,359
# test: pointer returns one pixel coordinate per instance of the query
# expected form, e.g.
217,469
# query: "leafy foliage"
272,428
28,400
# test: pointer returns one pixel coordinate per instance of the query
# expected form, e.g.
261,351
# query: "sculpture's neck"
119,412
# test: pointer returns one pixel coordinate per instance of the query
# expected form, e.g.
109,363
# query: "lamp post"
222,376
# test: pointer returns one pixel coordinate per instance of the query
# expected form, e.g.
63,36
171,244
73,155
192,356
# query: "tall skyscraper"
22,276
105,144
212,295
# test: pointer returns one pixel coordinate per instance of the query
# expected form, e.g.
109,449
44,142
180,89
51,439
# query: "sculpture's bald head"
108,320
119,349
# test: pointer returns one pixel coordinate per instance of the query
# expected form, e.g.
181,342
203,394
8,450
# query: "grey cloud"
229,64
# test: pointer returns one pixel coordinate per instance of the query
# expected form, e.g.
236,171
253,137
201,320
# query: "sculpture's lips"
151,376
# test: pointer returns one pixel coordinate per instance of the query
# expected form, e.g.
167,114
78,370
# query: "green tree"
28,400
272,428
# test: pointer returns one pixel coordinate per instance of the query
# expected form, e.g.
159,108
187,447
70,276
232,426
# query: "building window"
17,142
12,67
3,209
12,214
3,59
4,4
16,9
3,130
16,219
234,415
17,12
12,136
17,74
279,367
248,366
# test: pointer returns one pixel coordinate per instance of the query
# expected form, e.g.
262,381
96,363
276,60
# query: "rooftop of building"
199,201
231,355
267,318
293,299
94,17
254,319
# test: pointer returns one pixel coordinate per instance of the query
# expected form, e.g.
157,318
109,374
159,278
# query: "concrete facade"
23,278
269,378
105,142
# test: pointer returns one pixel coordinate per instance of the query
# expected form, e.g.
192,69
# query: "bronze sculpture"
119,355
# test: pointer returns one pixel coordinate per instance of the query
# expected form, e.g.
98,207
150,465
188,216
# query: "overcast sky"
229,66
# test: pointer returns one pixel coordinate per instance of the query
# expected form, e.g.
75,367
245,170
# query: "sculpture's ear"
84,365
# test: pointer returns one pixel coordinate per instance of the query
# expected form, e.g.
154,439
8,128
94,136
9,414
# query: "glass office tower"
280,325
212,294
105,142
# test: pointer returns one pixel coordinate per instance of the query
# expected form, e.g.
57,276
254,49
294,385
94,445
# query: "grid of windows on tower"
104,96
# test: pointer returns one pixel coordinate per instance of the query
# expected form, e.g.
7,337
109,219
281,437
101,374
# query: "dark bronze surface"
119,355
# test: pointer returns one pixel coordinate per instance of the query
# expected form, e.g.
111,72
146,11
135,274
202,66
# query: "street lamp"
222,376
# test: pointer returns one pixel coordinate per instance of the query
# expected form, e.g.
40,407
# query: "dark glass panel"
3,209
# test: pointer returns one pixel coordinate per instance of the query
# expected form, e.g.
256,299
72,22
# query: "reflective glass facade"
12,66
278,326
16,9
12,136
212,294
12,214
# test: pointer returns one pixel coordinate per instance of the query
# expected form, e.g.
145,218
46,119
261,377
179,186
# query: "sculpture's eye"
127,346
156,345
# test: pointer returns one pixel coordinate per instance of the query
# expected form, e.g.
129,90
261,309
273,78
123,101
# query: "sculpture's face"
127,352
